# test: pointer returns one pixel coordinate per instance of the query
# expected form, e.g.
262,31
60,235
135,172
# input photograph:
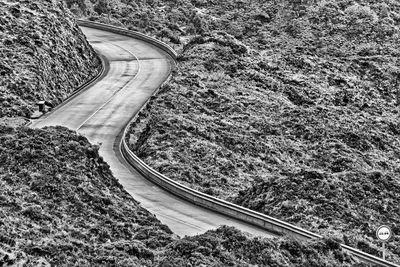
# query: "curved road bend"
100,113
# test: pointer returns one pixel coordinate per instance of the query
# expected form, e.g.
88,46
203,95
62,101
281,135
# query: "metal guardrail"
134,34
252,217
255,218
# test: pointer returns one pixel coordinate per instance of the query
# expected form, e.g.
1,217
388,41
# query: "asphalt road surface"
135,69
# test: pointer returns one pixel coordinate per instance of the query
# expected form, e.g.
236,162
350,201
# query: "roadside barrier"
134,34
255,218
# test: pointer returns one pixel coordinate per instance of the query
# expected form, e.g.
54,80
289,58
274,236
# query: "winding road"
135,69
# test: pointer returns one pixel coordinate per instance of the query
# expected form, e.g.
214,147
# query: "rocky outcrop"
44,55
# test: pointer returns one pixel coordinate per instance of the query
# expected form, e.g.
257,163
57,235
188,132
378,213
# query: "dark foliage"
229,247
60,204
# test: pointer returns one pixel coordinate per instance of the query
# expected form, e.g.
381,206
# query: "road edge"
102,72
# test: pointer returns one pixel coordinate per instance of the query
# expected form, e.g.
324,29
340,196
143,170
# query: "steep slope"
280,105
44,55
229,247
61,205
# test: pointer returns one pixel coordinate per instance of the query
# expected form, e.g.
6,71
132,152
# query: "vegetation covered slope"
61,206
44,55
287,107
229,247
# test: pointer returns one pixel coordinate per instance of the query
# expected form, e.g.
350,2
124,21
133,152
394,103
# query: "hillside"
227,246
61,206
44,60
286,107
